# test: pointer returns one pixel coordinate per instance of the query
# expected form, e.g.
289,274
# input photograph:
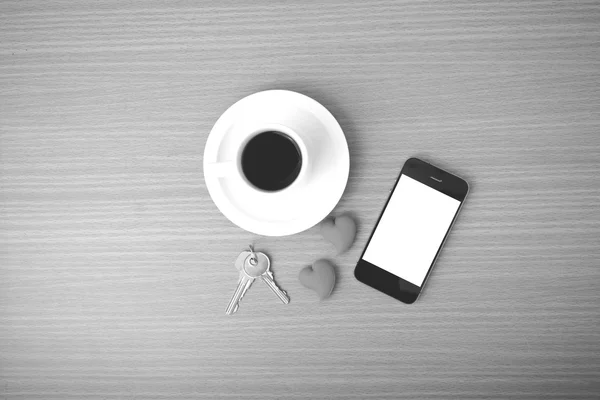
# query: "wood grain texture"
115,265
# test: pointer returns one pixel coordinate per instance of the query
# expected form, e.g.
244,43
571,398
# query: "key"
261,268
244,283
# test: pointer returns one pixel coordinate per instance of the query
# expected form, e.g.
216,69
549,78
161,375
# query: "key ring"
253,260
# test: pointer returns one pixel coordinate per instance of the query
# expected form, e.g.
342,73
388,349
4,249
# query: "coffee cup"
268,158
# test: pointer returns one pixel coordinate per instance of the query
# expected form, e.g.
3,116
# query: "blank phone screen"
411,230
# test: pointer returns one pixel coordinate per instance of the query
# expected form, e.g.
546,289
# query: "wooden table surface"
116,267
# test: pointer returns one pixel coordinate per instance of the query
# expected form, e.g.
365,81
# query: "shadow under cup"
271,161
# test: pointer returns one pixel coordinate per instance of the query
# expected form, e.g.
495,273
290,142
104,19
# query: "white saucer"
288,211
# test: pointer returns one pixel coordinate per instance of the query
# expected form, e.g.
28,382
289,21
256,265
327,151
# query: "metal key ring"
254,259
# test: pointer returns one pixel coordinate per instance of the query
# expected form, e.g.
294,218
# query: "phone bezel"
437,179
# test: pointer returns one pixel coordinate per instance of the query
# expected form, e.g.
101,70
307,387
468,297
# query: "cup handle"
220,169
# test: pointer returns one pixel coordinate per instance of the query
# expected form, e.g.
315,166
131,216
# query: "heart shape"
340,231
320,278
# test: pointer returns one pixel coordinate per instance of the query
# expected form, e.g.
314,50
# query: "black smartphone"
411,230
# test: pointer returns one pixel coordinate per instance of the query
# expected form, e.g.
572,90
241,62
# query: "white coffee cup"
232,168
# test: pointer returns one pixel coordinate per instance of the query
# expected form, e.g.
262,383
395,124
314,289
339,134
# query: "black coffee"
271,161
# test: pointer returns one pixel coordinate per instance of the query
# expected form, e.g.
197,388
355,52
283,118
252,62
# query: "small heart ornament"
320,278
340,231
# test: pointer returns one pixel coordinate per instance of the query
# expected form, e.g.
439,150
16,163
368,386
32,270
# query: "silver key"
244,283
262,268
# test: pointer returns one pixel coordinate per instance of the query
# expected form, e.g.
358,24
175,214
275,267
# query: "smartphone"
411,230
